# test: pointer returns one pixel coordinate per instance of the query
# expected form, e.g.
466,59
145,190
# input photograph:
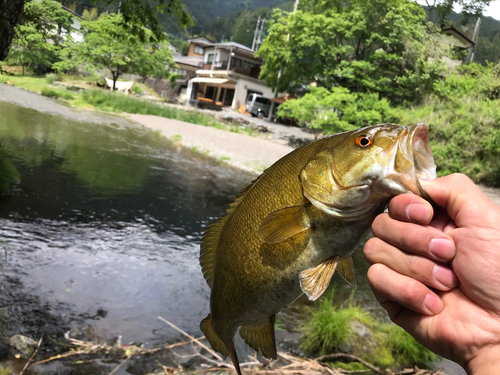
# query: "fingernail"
444,276
442,248
417,212
433,303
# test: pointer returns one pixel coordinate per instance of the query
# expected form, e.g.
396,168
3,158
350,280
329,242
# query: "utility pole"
255,34
259,35
281,69
472,50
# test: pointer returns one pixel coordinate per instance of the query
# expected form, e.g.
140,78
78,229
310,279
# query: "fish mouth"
408,161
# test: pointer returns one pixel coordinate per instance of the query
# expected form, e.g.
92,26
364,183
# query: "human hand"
438,273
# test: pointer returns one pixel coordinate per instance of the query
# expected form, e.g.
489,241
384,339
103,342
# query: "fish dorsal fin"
211,237
284,223
314,281
346,270
261,337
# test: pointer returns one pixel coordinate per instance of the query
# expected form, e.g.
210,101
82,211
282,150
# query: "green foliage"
90,15
8,176
116,102
330,326
57,94
39,34
441,9
5,371
361,45
137,89
471,80
405,349
51,77
107,44
337,110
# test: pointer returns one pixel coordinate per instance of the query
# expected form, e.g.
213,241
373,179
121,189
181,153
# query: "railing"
237,66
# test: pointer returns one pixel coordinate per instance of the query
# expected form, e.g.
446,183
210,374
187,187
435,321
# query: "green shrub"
116,102
137,89
58,94
330,326
465,136
471,80
406,350
51,77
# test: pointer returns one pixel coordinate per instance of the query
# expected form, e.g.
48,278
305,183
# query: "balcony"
237,66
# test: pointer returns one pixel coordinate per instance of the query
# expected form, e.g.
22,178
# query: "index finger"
411,208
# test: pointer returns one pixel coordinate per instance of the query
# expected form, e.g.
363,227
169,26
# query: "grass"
329,329
28,83
57,94
116,102
176,138
464,136
330,326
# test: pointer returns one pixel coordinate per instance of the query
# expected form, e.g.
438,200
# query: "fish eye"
364,141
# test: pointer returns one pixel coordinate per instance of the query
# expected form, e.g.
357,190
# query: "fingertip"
411,208
433,303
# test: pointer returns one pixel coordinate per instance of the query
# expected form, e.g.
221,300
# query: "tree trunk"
10,10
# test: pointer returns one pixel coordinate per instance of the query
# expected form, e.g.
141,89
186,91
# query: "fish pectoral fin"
213,337
284,223
314,281
261,337
346,270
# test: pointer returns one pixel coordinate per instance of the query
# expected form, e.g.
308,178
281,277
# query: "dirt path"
249,153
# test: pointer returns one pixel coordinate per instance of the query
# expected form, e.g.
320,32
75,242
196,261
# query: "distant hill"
236,20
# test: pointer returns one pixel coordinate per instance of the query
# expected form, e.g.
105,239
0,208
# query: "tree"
39,34
106,44
10,11
441,9
358,45
337,110
137,14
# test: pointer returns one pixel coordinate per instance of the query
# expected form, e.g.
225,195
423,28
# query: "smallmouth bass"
295,225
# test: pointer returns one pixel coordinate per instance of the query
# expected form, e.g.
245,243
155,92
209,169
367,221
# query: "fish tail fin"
224,348
261,337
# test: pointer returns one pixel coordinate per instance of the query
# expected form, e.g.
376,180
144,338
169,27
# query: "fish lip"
419,152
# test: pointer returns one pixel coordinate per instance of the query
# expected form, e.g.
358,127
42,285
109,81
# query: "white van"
258,106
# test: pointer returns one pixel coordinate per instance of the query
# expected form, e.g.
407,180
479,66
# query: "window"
262,100
198,50
210,58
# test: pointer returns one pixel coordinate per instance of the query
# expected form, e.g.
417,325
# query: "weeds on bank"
330,328
115,102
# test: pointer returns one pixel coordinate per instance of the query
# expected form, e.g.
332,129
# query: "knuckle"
379,223
370,248
374,273
409,290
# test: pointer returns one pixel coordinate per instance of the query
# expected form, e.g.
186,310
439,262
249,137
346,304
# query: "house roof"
195,61
453,31
201,40
234,44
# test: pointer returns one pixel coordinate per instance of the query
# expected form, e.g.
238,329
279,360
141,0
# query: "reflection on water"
106,223
109,218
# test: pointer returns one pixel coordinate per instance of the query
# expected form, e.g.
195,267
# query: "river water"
103,230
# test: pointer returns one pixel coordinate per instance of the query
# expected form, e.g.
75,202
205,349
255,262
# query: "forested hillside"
235,20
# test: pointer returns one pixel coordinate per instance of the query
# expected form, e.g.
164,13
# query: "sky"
492,11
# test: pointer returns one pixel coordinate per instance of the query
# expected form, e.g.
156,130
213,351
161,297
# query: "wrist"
486,362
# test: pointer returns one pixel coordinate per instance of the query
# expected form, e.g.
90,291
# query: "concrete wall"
241,91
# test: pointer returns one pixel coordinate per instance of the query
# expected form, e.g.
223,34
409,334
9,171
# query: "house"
461,44
226,74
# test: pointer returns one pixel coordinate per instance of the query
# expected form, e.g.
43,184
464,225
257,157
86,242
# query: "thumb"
464,202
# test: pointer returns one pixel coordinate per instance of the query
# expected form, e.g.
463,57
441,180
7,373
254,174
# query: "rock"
360,329
76,333
24,345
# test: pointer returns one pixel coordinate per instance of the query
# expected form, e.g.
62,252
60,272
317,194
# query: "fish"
298,222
